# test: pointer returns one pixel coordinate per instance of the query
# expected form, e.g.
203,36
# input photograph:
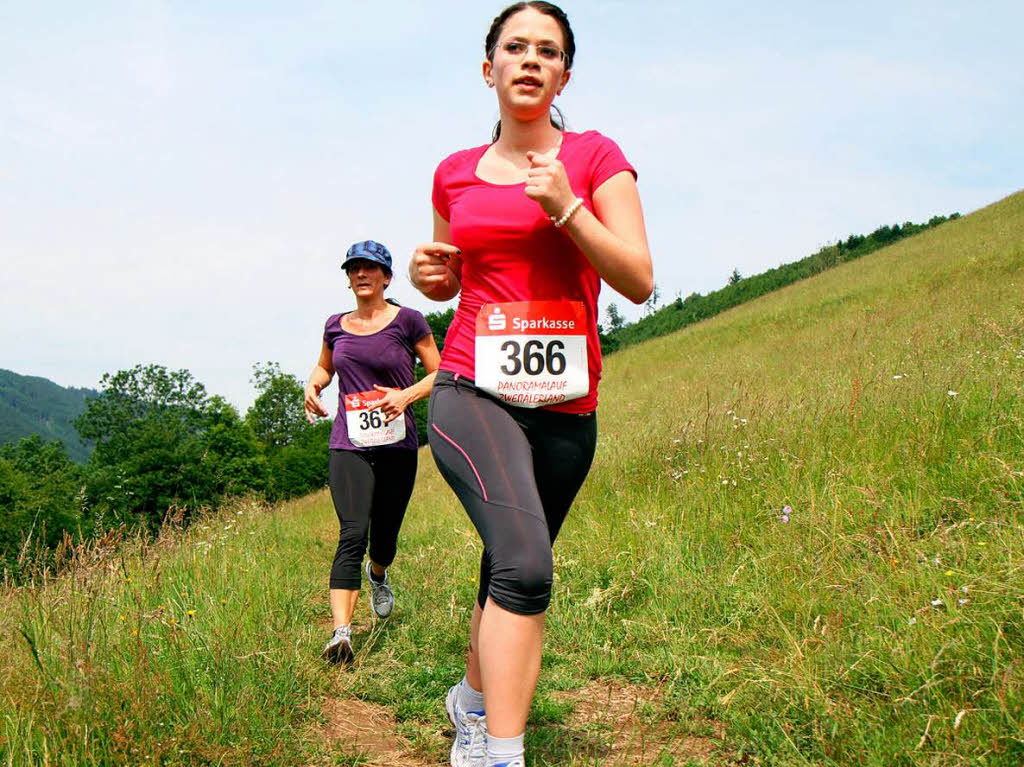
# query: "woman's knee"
523,584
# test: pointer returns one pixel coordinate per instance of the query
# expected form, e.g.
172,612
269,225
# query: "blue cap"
368,250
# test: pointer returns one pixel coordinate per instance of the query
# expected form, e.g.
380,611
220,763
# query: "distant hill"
33,405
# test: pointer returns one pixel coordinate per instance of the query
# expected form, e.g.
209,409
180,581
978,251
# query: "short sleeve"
607,160
331,331
439,196
416,327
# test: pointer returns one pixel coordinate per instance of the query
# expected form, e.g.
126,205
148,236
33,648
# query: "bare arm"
435,268
613,238
319,378
397,400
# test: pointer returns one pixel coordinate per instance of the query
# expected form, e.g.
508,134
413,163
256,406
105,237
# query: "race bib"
366,428
532,353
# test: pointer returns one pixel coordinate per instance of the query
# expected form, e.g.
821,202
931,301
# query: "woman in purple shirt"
373,440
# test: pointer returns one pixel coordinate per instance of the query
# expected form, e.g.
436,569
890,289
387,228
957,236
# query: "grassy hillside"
880,621
33,405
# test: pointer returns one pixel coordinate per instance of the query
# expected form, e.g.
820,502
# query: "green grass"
883,401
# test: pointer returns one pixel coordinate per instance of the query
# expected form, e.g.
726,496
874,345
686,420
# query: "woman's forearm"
319,378
421,389
624,266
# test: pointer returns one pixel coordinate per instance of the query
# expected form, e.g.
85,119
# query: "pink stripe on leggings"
464,455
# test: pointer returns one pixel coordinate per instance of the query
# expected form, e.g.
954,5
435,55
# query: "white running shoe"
470,746
517,762
339,647
382,598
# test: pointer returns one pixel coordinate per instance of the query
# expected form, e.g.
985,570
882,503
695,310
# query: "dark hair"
549,9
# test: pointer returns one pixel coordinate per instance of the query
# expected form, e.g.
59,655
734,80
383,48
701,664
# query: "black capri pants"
517,472
370,490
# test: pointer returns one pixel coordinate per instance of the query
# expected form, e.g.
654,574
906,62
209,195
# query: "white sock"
468,698
503,750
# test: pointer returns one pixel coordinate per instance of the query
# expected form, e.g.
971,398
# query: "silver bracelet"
560,222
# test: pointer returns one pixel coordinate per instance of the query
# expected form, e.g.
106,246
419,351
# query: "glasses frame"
500,45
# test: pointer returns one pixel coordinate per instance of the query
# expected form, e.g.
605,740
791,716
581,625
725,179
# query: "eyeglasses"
517,49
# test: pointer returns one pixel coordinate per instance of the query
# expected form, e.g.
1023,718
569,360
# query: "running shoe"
382,598
470,746
514,763
339,647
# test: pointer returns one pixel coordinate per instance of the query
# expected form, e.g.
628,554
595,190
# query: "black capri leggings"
516,471
370,490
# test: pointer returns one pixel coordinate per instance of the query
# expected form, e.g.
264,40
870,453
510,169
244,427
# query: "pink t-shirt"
512,252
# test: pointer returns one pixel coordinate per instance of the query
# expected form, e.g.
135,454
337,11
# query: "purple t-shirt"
385,357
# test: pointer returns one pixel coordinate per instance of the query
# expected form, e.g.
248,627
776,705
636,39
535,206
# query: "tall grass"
880,621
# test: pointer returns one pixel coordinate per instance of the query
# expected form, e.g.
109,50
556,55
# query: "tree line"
617,334
163,445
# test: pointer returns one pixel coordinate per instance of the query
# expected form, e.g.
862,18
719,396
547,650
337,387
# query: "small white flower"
951,393
912,621
962,602
725,482
959,718
897,377
936,602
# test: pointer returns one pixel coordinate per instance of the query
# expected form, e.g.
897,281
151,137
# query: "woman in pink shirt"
525,229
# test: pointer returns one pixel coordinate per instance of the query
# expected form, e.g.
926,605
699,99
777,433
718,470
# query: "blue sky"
178,181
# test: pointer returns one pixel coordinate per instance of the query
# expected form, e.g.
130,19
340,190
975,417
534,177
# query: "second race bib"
532,353
366,428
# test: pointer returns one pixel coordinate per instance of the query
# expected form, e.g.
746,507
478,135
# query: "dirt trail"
611,724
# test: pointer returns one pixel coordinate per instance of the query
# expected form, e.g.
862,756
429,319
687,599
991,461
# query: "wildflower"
190,612
951,393
786,511
936,602
127,579
962,601
121,617
172,620
897,377
912,620
135,632
949,572
223,601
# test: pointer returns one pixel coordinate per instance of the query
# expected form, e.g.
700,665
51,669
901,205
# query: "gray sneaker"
339,647
470,746
382,598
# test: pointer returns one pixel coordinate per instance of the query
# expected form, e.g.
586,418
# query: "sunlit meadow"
803,530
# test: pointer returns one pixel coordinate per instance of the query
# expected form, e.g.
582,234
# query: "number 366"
534,358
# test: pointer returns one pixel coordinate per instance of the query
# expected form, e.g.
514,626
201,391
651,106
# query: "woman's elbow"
642,289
